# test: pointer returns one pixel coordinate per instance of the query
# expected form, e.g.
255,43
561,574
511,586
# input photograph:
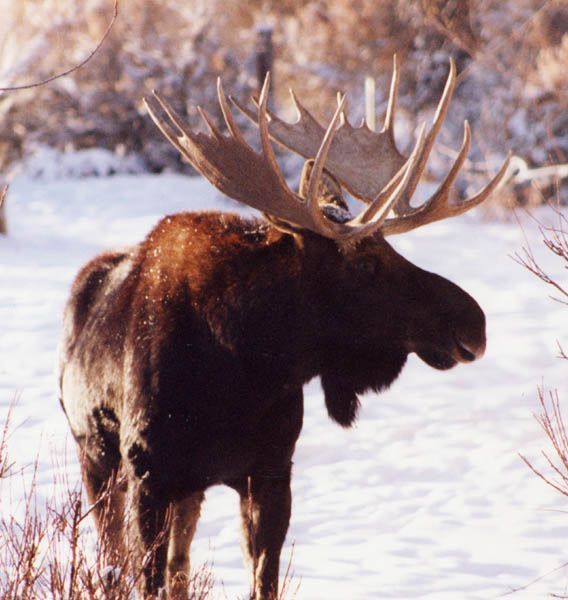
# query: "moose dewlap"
184,357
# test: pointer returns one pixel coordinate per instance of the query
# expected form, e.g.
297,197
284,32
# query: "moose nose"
469,350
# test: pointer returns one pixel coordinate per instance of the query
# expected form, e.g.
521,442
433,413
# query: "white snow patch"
425,498
51,164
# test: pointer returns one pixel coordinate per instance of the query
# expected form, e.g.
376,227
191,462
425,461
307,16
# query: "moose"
184,357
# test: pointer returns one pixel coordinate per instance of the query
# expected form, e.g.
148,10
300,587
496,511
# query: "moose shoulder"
184,357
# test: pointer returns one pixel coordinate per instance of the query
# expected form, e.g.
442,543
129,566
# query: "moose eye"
367,265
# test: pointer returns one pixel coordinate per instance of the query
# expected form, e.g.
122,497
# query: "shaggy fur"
184,359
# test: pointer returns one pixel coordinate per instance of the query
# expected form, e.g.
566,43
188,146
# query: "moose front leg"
265,501
265,496
184,521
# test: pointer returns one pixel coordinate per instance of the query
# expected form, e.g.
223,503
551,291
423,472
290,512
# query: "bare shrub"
46,551
555,238
3,224
5,464
550,418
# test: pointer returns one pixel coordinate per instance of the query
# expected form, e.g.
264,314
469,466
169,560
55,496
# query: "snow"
425,497
48,163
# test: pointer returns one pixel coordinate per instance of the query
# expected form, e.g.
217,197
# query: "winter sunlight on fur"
273,296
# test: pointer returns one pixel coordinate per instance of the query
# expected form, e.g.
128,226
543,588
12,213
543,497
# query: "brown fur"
184,359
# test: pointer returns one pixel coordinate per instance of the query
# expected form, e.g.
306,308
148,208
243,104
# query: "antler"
362,160
232,166
368,164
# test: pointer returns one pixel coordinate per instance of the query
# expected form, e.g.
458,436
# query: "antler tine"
392,192
162,125
302,110
375,215
343,115
438,206
247,112
263,129
403,207
440,197
317,169
488,189
209,122
393,95
439,201
227,114
442,193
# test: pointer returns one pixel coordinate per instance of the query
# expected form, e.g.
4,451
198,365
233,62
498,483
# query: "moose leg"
184,521
265,496
106,496
148,536
265,502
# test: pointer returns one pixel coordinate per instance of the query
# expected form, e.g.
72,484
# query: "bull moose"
184,357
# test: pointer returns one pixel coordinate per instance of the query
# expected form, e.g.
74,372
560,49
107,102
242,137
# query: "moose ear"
341,400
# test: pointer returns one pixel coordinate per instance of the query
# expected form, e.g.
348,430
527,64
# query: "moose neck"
283,305
349,361
285,312
277,293
303,314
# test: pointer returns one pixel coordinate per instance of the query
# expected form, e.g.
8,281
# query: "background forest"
512,59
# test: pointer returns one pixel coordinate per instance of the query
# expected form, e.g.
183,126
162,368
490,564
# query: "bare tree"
3,224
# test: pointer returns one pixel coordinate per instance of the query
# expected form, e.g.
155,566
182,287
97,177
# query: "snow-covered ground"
425,497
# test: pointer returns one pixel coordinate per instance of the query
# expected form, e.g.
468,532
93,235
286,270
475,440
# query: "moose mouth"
457,351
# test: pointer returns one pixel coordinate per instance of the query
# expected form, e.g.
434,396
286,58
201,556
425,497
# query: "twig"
536,580
72,69
288,576
252,534
539,474
555,238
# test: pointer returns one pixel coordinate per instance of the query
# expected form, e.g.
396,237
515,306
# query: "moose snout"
469,348
468,330
469,333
